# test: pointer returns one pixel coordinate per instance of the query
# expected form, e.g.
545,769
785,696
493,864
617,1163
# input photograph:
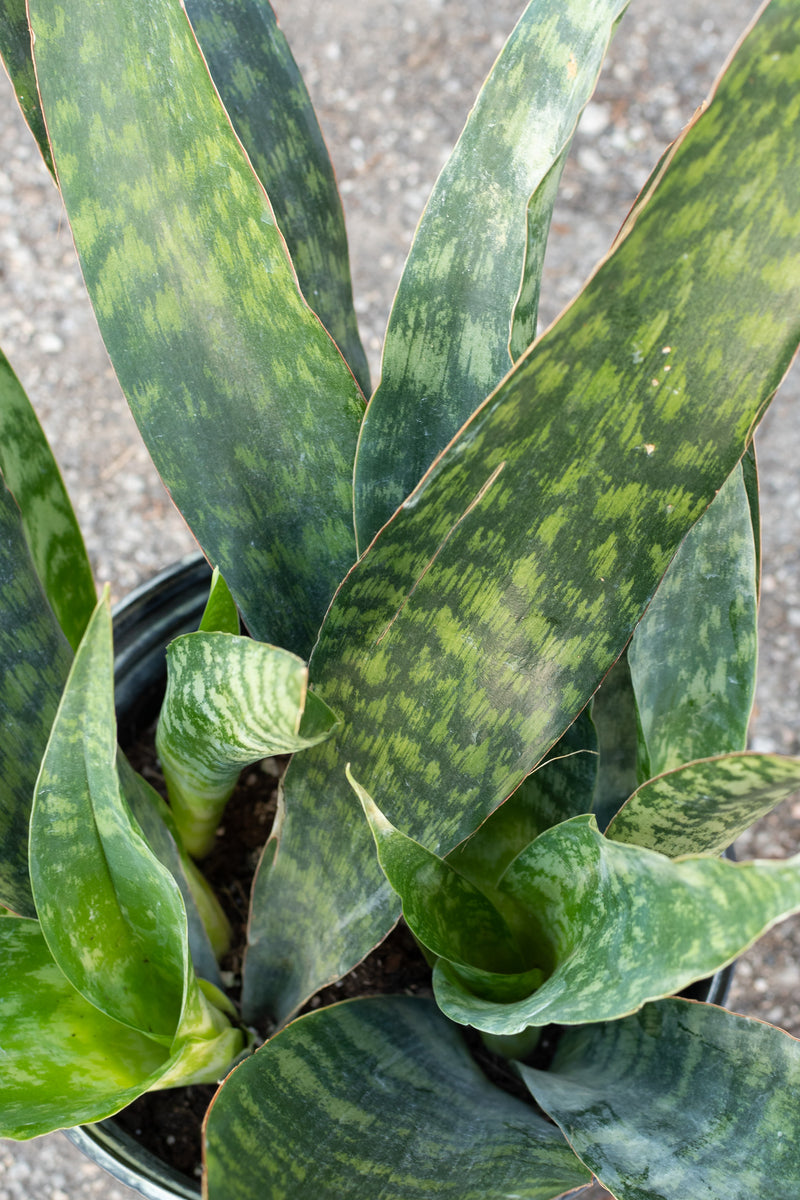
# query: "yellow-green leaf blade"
682,1099
249,411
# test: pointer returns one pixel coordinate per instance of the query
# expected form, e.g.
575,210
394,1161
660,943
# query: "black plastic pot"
171,604
144,623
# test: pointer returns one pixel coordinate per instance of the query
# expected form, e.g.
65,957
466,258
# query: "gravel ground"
393,82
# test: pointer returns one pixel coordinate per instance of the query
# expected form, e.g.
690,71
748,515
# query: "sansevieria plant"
501,611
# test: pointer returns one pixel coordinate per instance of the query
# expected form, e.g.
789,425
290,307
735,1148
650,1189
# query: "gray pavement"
393,82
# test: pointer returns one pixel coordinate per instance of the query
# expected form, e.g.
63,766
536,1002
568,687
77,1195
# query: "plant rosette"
502,617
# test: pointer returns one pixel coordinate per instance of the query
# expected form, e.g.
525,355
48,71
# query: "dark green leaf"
613,710
681,1100
266,99
702,807
34,663
481,240
377,1098
693,656
51,530
248,409
15,50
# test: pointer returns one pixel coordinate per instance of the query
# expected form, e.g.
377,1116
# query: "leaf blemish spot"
572,67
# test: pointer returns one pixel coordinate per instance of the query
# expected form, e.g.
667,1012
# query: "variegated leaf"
269,106
489,609
230,702
248,409
111,913
693,656
375,1098
51,530
625,925
702,807
34,663
15,51
479,248
680,1100
64,1061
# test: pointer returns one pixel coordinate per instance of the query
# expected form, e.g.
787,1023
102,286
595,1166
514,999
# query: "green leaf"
111,913
247,407
48,520
702,807
626,925
480,240
377,1098
230,702
271,111
34,663
561,787
693,656
490,608
682,1099
615,719
15,50
449,915
220,614
64,1061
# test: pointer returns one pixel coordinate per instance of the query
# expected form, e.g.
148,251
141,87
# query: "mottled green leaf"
561,787
479,244
230,702
220,614
681,1100
111,913
64,1061
34,663
490,608
626,925
51,530
269,106
376,1098
615,719
702,807
452,917
693,656
15,51
247,407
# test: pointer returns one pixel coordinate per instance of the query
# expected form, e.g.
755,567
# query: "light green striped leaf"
375,1098
693,656
702,807
51,530
626,925
111,913
230,702
15,51
490,608
247,407
680,1100
34,663
64,1061
220,614
560,788
269,106
479,933
479,247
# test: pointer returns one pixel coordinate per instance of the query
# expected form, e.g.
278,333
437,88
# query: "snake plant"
501,611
